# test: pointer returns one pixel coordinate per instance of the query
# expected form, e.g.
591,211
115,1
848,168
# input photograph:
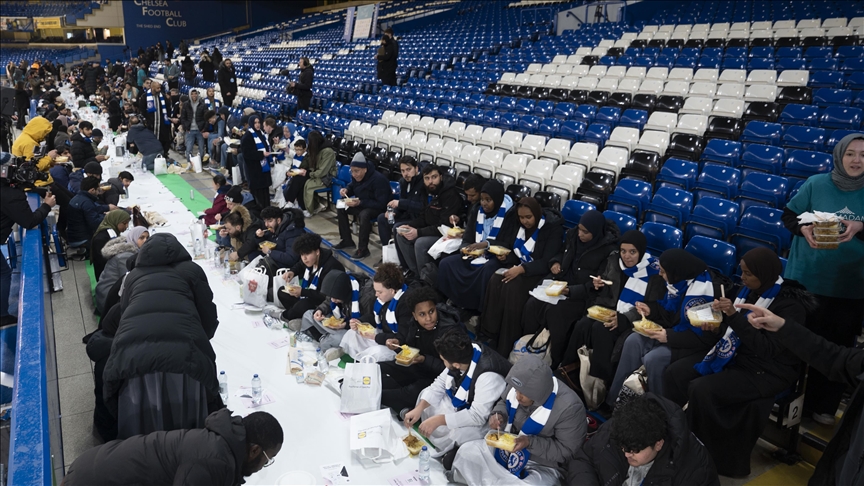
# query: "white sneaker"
307,214
333,353
824,419
288,205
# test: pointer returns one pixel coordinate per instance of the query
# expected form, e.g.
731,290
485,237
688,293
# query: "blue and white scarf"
151,106
355,301
261,146
723,352
515,462
306,283
216,103
496,225
699,291
460,398
298,159
390,316
523,249
637,281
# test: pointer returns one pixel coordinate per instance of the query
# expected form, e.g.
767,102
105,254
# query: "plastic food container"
645,325
466,251
267,244
333,322
366,330
455,232
407,355
501,440
704,316
599,313
555,288
498,250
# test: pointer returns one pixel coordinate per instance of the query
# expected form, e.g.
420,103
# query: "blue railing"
30,444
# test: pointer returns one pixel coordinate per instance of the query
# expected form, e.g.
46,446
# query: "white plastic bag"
195,160
236,176
253,284
278,283
593,388
160,166
532,344
389,253
373,437
444,245
361,388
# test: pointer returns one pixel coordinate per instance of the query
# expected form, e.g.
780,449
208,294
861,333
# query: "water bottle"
424,464
223,387
197,248
391,216
256,390
323,365
227,267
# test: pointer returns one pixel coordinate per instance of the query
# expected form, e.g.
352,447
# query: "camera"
24,171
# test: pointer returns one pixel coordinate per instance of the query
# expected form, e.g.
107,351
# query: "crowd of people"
465,283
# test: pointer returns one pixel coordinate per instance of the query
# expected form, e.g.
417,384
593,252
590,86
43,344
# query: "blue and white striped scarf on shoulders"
637,281
151,106
515,462
523,249
460,398
390,315
686,294
355,301
262,146
496,224
216,103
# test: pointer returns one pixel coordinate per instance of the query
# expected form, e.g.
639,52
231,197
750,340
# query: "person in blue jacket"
84,214
282,228
369,191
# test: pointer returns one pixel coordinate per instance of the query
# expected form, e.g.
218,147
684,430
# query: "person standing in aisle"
303,86
172,74
387,61
256,154
227,82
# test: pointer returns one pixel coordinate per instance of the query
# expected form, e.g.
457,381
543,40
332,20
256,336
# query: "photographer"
14,209
303,87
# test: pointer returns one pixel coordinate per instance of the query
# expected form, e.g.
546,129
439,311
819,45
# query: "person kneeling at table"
646,441
283,227
387,313
547,416
328,323
314,266
226,450
455,407
242,231
429,320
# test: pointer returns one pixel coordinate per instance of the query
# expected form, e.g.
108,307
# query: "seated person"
283,228
634,274
226,450
314,265
471,189
98,350
647,441
116,253
549,420
412,199
455,407
429,320
342,304
299,153
417,236
233,199
585,251
734,387
370,192
213,214
119,184
84,215
464,281
242,231
96,140
688,281
387,313
537,241
82,147
114,223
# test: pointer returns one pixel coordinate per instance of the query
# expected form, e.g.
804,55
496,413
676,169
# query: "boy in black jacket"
412,199
369,193
315,263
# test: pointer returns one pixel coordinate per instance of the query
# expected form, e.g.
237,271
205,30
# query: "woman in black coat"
216,56
537,241
585,252
188,67
207,67
736,392
256,154
168,383
22,104
227,82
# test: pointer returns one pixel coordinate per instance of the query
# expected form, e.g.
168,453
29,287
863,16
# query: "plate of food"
407,355
366,330
599,313
556,288
267,244
501,440
499,250
333,322
644,325
704,316
413,443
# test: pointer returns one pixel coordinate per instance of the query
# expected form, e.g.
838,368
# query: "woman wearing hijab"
537,241
689,283
256,153
635,277
734,386
115,253
114,223
208,68
462,280
585,251
836,277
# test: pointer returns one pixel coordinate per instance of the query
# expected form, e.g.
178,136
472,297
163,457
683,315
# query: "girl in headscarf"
734,386
634,274
688,284
585,251
463,280
836,277
114,223
538,240
115,253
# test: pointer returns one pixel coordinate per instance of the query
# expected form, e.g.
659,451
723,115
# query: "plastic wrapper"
704,316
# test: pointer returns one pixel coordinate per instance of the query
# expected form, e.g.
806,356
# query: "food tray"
333,322
555,288
366,330
407,355
501,440
644,324
289,287
455,232
827,245
475,253
498,250
704,315
267,244
599,313
413,443
215,227
61,159
828,231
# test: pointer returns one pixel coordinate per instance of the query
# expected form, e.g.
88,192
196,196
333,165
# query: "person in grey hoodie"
547,416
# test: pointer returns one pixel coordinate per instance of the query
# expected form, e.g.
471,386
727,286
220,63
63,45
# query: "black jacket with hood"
292,226
82,151
683,460
416,336
577,271
165,295
412,198
211,456
443,205
327,263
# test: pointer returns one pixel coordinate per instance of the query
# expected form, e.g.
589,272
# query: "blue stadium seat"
572,130
804,163
855,81
573,211
761,226
758,188
713,217
678,173
717,180
597,133
544,108
789,52
824,97
491,118
823,65
717,254
633,118
549,127
734,63
508,121
630,197
491,102
524,106
670,206
722,152
476,100
625,222
791,63
761,52
764,158
507,103
819,52
585,113
661,237
803,137
852,64
826,79
608,114
841,117
806,115
836,136
528,123
762,132
564,111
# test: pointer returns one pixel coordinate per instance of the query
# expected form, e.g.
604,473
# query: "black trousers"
401,386
558,318
262,197
303,101
839,321
294,191
228,100
502,312
294,307
64,196
365,216
598,338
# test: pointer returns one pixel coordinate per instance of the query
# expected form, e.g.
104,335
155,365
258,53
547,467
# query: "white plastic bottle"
256,390
323,365
424,464
223,387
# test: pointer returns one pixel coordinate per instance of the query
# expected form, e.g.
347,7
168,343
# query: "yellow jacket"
32,135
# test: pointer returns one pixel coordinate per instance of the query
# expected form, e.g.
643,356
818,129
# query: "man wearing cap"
548,419
369,193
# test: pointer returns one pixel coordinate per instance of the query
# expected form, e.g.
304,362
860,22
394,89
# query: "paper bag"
389,253
361,388
373,437
253,284
160,166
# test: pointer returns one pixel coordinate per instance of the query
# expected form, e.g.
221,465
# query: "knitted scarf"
262,146
496,225
637,281
460,398
699,291
355,301
515,461
522,248
390,316
216,103
151,106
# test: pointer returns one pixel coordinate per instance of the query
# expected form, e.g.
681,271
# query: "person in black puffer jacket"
165,295
82,146
283,228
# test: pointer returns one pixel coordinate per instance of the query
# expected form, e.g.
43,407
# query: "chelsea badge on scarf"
150,105
515,462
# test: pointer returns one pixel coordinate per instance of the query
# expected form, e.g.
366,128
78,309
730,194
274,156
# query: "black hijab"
681,265
637,239
495,190
534,206
764,264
